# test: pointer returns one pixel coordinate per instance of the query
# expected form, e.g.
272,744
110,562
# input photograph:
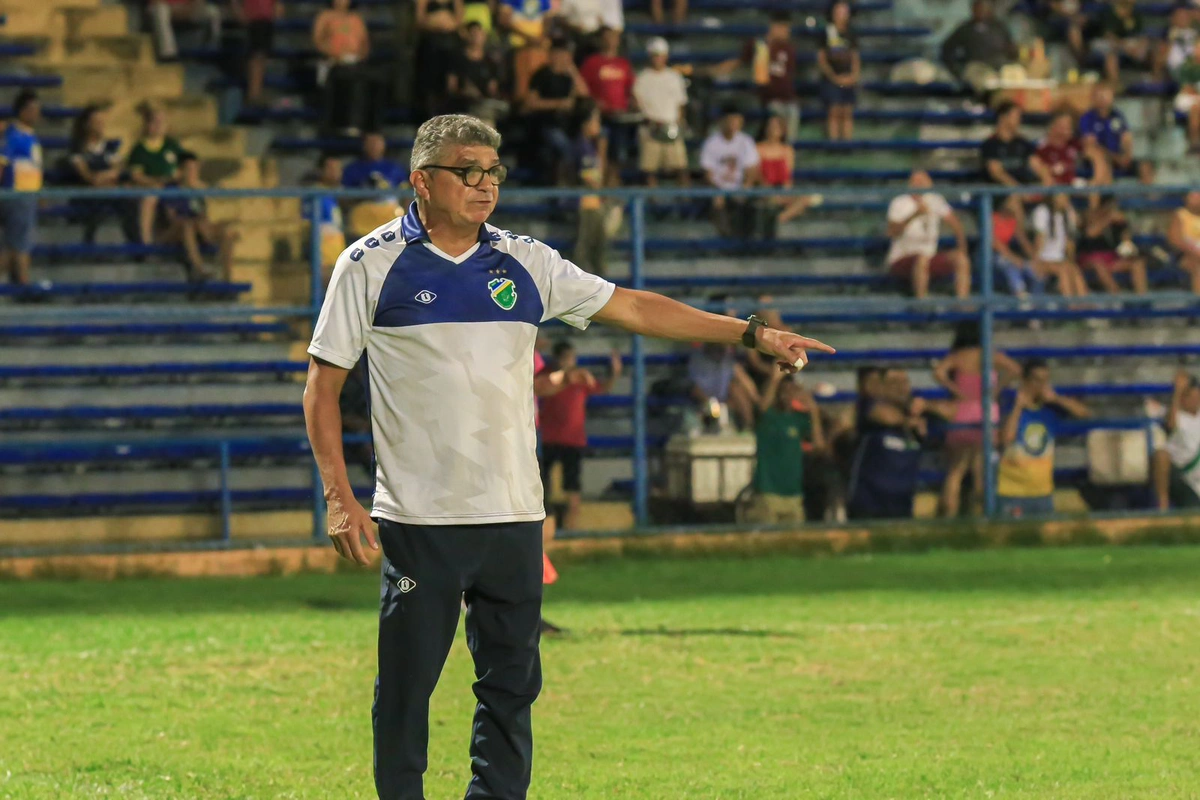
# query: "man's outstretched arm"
654,315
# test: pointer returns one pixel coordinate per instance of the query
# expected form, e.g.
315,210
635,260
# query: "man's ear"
420,184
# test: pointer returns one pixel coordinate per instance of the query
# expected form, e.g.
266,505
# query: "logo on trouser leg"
406,585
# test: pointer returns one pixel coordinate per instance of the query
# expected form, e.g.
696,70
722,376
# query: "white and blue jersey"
449,345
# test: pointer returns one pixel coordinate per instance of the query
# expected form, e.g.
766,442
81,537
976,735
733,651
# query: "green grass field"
1019,673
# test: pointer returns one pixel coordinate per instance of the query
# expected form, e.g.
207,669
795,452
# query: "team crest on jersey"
504,292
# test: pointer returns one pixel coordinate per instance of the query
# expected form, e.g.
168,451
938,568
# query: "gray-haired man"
447,308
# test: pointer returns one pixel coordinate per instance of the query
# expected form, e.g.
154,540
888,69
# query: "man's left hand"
787,348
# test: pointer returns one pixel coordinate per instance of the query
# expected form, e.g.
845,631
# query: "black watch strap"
750,337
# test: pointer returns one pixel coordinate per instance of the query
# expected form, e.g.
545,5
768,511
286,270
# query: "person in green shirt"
153,163
787,417
1188,100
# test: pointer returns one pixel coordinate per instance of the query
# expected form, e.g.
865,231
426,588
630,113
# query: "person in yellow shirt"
20,171
1184,237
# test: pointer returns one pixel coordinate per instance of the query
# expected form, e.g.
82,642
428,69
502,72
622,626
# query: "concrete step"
254,210
157,527
131,83
153,395
125,353
107,20
184,479
36,21
216,143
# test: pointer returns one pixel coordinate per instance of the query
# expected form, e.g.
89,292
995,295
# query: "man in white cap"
661,95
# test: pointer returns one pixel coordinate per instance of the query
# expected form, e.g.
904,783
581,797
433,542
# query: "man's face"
156,125
1011,121
190,173
610,41
897,388
658,61
778,31
872,385
981,12
31,113
1037,382
1102,99
566,359
374,146
789,392
1060,129
731,124
476,36
1192,201
920,180
445,193
331,172
1190,402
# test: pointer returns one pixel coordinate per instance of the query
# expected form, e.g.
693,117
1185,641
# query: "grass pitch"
1034,673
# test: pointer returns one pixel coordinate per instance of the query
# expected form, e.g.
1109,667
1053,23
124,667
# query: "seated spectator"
587,20
1056,224
788,417
473,83
913,220
678,11
1106,248
777,167
20,171
563,414
661,95
1182,35
94,160
717,380
1026,480
609,78
977,49
153,163
188,225
1177,463
729,159
590,154
1007,155
1104,125
1017,269
1183,236
165,13
343,44
373,170
527,24
548,108
1061,21
328,212
1187,102
438,45
772,60
840,67
259,18
1056,160
1119,32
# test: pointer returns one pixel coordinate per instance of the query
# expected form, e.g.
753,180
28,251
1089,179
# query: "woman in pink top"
961,372
341,38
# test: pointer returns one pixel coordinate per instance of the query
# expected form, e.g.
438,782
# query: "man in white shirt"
587,17
913,222
729,159
447,309
1177,464
661,96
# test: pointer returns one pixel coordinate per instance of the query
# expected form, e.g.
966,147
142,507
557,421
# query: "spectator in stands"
1177,464
772,61
1187,102
609,78
1007,155
777,166
94,160
1119,32
1181,39
528,24
343,44
590,154
913,220
1026,482
373,170
1106,248
1183,236
164,13
438,44
678,11
259,18
868,382
977,49
961,373
1104,125
153,163
549,107
328,212
661,95
1055,225
1061,21
188,225
21,170
729,159
717,380
563,412
1017,269
840,67
473,83
788,417
1056,160
588,20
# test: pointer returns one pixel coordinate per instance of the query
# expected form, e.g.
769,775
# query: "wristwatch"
750,337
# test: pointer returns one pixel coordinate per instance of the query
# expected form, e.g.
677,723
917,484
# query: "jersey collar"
414,231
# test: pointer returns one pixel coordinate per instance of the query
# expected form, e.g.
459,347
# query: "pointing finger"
814,344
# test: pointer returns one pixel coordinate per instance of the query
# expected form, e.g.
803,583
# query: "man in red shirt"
609,77
564,417
1056,159
772,63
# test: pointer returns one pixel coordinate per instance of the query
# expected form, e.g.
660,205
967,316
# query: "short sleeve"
900,209
710,159
344,323
680,88
749,152
1041,219
938,206
568,293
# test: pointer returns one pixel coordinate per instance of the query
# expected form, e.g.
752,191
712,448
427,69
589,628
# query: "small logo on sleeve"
504,292
425,297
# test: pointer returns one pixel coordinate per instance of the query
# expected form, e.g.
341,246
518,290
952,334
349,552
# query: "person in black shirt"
1006,155
95,161
977,49
1106,248
553,91
473,83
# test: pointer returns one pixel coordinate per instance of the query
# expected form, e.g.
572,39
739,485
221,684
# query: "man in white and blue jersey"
447,309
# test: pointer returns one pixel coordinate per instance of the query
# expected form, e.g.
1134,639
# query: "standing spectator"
564,422
328,212
1182,36
1055,225
718,379
1026,482
1120,33
164,13
373,170
20,171
1056,160
1106,248
153,163
913,220
729,159
977,49
259,18
609,78
678,11
772,60
473,85
589,19
1177,464
340,37
438,43
788,417
590,155
1104,125
1017,268
777,166
1187,102
840,67
1183,235
662,96
1007,155
527,23
190,227
95,161
553,92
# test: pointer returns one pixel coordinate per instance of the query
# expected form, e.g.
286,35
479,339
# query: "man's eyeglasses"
473,176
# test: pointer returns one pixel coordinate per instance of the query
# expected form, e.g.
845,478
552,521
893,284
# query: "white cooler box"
1118,457
709,469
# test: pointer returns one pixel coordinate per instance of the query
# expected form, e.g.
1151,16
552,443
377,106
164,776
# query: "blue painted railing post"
226,495
637,279
986,319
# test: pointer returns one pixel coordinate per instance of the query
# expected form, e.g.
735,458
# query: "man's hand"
788,348
615,363
347,521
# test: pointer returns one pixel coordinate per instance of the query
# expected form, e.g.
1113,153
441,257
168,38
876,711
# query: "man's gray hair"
450,130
